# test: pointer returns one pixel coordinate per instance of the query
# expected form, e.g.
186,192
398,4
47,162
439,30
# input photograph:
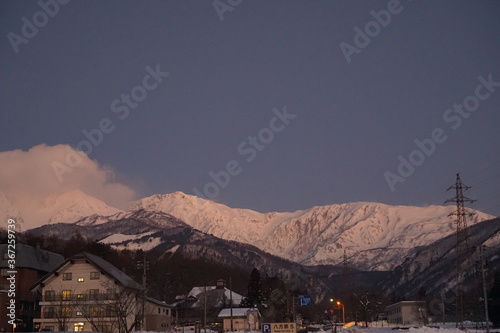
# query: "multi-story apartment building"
87,293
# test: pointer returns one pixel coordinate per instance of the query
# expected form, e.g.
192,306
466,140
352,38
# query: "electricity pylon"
462,246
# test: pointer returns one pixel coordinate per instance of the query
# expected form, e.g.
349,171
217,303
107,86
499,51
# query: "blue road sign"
304,300
266,328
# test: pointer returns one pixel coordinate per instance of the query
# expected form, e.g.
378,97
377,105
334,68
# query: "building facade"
31,264
158,315
237,319
407,313
87,293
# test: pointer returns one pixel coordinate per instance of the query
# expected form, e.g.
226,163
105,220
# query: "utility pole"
485,293
205,308
231,302
145,266
346,283
462,246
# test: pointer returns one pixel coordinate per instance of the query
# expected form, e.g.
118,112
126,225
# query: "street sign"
304,300
279,328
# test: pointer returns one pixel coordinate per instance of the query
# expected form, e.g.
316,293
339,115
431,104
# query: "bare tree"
118,309
61,309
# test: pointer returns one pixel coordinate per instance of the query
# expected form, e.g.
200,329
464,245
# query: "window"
79,313
94,311
93,293
65,312
67,276
66,295
80,296
159,310
49,312
166,312
95,275
111,294
80,279
110,312
50,295
106,328
49,328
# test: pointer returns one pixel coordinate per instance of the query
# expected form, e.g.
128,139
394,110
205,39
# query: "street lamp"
341,306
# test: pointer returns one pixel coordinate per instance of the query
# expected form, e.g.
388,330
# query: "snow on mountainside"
374,236
74,205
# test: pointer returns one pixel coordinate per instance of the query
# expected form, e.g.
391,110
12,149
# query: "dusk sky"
259,104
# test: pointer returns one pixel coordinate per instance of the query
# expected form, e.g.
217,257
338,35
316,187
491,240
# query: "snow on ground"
119,238
447,328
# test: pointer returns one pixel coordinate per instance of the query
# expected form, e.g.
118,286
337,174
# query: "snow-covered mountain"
433,267
374,236
67,207
371,236
74,205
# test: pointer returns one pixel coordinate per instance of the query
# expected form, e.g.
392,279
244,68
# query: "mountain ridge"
371,236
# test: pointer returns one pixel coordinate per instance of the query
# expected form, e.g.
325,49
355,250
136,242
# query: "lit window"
66,295
65,312
94,311
79,313
80,279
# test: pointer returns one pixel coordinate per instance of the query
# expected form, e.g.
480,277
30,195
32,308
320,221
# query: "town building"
30,264
202,304
407,313
238,319
158,315
87,293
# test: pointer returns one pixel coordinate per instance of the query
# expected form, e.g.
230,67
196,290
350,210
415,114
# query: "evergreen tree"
254,292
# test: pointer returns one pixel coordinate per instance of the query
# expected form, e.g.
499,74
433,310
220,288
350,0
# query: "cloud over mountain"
27,178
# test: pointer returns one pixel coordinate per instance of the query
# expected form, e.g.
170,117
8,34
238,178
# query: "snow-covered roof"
157,302
237,312
215,296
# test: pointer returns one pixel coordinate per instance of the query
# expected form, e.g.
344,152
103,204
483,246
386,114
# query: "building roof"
111,270
101,264
216,297
237,312
404,303
31,257
157,302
